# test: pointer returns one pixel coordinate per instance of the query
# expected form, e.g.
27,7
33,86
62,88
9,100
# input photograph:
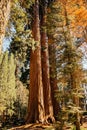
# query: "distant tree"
21,102
67,58
7,83
11,81
53,32
3,79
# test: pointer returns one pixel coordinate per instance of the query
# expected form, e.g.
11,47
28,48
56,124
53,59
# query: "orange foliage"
77,14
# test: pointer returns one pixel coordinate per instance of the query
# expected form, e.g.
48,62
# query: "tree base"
49,119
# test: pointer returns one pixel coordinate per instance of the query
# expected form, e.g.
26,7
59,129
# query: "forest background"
42,74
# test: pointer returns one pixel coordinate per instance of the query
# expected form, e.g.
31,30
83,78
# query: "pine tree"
71,67
1,88
11,82
7,83
54,16
3,80
67,51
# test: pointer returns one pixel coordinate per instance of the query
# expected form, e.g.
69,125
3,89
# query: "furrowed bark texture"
45,69
40,107
36,101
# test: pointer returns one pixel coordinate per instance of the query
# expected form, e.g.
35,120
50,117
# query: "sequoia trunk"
36,101
45,68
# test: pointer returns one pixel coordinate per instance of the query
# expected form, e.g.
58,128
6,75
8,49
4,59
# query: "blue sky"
6,44
84,63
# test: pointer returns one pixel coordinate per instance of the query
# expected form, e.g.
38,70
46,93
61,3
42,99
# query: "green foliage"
68,63
21,103
69,81
21,44
1,57
3,80
18,17
21,36
7,83
54,16
27,3
11,80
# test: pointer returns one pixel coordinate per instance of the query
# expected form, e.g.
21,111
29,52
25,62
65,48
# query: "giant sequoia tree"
36,110
40,109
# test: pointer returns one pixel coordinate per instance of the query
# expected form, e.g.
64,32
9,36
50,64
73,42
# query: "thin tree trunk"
53,78
45,68
74,85
36,100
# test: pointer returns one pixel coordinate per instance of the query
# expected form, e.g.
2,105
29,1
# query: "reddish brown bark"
36,101
45,69
53,77
40,101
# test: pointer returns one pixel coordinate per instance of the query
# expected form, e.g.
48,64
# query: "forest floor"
47,127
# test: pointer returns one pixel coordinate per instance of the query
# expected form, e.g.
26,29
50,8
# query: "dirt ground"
85,125
42,127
